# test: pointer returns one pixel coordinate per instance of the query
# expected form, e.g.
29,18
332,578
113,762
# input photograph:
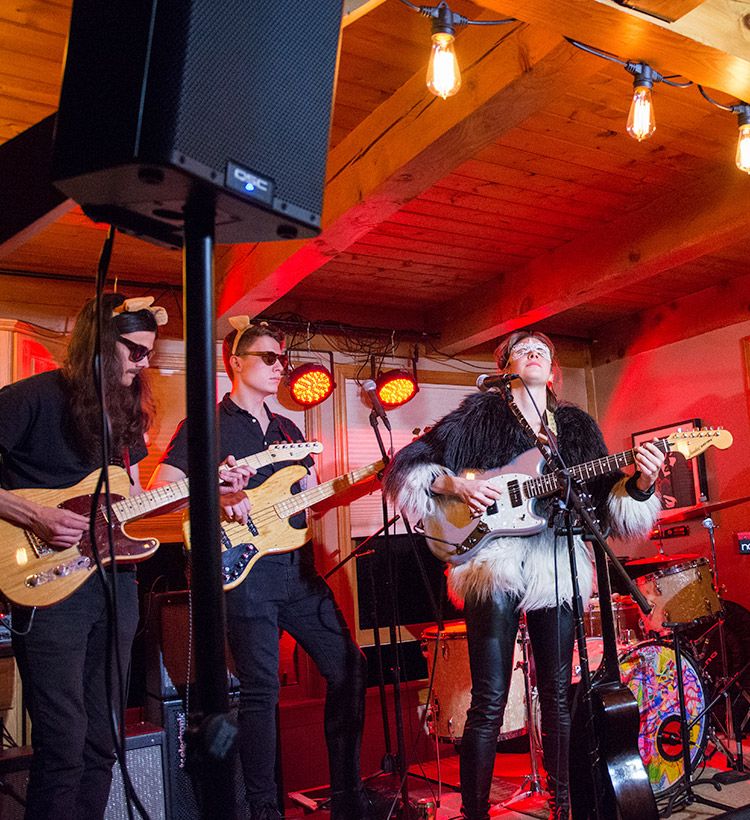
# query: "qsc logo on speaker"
248,183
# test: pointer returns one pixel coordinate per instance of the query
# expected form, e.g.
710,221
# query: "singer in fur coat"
514,574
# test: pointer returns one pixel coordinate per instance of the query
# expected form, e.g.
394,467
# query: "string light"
641,122
443,71
742,157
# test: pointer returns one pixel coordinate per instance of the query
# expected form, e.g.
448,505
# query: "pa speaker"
163,101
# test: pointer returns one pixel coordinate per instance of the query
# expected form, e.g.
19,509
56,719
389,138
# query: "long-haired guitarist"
283,591
50,437
513,574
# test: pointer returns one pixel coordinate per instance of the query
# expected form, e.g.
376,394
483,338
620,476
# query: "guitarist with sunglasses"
50,437
518,573
283,591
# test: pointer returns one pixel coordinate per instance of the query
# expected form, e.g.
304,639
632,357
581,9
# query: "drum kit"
687,612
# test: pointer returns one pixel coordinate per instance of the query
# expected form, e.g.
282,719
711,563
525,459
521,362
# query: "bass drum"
648,670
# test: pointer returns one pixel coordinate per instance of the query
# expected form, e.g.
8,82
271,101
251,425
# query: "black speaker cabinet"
146,759
170,649
164,100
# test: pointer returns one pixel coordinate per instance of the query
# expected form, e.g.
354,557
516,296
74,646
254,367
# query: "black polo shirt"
240,435
37,445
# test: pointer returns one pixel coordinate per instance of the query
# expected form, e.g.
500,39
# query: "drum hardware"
531,784
685,796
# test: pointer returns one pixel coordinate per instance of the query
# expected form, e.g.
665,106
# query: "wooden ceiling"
519,201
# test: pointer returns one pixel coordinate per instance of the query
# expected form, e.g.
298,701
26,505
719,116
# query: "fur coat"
482,434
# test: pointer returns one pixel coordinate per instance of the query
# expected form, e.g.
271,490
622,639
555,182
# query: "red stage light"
310,384
396,387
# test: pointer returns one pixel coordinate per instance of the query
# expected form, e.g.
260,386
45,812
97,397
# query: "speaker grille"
264,97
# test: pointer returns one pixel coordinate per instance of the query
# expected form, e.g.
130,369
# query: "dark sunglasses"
268,357
136,352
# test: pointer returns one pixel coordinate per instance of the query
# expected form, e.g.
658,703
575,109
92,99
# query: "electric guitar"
454,536
33,573
268,529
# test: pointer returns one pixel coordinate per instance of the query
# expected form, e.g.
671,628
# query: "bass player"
283,592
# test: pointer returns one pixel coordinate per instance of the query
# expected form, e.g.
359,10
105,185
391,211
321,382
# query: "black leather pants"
491,627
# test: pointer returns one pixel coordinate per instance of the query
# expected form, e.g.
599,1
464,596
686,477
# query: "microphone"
369,388
486,382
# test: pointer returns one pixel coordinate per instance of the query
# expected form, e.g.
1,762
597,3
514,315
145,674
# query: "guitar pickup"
514,493
492,509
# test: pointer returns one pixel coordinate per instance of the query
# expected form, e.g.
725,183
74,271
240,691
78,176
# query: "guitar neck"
136,506
301,501
547,484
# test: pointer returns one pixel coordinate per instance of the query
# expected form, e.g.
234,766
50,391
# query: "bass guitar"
268,529
454,535
33,573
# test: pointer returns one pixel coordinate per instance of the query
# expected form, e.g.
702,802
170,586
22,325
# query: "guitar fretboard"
136,506
296,503
548,484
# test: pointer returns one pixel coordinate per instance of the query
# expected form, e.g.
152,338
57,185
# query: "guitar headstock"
294,450
692,443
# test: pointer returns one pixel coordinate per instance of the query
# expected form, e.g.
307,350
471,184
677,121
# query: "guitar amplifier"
170,647
146,759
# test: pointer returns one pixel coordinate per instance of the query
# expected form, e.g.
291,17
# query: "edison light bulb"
742,157
641,123
443,73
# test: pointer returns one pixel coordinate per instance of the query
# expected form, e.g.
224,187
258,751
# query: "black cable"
109,590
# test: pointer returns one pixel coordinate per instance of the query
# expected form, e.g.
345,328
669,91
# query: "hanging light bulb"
443,72
641,122
742,157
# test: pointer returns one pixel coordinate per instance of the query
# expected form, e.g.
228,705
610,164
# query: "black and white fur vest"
482,434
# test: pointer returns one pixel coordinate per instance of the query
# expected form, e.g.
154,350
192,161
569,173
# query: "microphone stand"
573,507
390,763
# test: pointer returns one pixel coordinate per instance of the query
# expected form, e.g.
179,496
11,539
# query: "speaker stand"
211,742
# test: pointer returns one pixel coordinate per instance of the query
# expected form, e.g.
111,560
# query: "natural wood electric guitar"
268,529
32,573
455,536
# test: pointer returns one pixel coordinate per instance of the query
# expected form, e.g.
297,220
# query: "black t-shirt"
240,435
37,445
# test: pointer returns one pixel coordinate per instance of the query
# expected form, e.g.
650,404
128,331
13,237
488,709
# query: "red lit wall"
703,377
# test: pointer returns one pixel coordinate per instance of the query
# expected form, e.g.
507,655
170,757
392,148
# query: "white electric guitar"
455,536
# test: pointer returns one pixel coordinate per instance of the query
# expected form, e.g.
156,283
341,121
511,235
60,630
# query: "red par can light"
311,384
396,387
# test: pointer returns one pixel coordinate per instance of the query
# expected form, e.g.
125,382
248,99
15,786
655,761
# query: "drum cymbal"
699,510
662,559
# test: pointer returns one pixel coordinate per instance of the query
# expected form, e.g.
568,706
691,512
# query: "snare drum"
680,594
451,688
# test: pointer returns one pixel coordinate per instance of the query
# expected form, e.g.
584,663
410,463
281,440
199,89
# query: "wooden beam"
354,9
666,10
28,201
405,146
666,233
720,306
702,46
